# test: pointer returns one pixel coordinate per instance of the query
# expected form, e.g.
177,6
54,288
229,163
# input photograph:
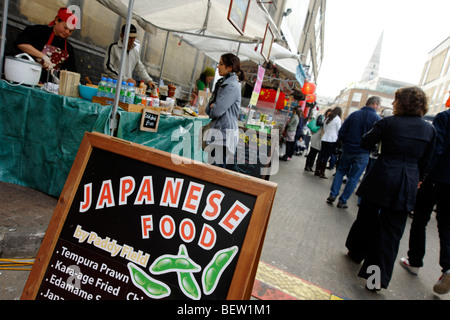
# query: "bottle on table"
101,91
114,88
130,93
109,89
123,92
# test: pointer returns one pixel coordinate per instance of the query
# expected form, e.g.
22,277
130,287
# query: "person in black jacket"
388,192
354,159
434,190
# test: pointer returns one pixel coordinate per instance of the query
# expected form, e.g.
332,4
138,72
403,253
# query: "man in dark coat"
388,192
435,190
354,159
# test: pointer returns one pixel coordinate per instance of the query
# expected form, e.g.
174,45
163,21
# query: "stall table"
40,134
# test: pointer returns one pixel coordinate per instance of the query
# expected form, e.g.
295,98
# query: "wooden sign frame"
146,111
96,143
239,25
267,43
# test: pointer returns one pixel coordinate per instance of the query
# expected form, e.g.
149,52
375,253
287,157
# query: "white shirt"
132,63
331,130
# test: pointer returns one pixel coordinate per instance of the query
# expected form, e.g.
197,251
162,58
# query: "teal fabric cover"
40,134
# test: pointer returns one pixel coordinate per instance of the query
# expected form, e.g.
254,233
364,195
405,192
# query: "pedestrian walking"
316,128
331,127
353,159
434,190
306,134
389,190
291,131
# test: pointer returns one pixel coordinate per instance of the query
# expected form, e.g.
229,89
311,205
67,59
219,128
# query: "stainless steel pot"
23,71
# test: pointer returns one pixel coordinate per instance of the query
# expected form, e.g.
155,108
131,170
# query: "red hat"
64,14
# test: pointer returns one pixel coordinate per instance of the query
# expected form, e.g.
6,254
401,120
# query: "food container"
178,111
68,83
23,71
87,92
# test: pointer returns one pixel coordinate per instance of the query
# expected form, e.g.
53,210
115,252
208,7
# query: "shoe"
404,262
443,284
322,171
309,169
342,205
284,158
331,199
288,158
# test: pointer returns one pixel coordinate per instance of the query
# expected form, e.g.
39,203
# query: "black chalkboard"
131,225
150,120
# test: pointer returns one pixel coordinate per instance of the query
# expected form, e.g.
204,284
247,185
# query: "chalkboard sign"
131,225
254,153
150,120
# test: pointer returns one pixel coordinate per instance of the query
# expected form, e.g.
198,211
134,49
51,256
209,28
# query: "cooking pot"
23,71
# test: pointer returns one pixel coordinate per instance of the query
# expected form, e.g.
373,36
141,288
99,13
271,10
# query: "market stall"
40,133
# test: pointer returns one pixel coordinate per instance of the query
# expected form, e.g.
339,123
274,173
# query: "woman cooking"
48,43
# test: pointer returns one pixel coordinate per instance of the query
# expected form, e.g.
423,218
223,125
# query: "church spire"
373,67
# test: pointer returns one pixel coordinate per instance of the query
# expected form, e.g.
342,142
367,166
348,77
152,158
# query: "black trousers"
429,194
326,150
311,158
290,148
375,237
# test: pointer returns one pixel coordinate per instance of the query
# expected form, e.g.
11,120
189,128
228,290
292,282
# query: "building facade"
435,80
302,23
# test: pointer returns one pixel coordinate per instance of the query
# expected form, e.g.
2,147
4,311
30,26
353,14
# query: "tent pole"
193,74
164,57
3,36
113,120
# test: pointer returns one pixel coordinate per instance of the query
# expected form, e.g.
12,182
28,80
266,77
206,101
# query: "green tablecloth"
40,134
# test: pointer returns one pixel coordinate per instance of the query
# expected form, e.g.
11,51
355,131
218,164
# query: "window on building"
357,97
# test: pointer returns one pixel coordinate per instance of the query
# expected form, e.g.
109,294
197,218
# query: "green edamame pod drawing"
171,263
213,271
152,288
186,280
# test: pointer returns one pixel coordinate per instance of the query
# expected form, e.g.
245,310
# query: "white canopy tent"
196,17
246,51
204,24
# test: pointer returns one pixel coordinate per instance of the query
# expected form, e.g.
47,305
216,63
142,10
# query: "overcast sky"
412,28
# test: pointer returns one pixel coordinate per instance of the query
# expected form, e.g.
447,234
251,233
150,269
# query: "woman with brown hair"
223,110
388,192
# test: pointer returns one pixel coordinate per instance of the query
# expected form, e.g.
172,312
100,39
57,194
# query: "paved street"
305,240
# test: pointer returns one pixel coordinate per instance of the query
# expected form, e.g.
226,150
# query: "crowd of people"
404,160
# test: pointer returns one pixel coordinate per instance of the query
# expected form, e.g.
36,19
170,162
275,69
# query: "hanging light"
308,88
310,98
